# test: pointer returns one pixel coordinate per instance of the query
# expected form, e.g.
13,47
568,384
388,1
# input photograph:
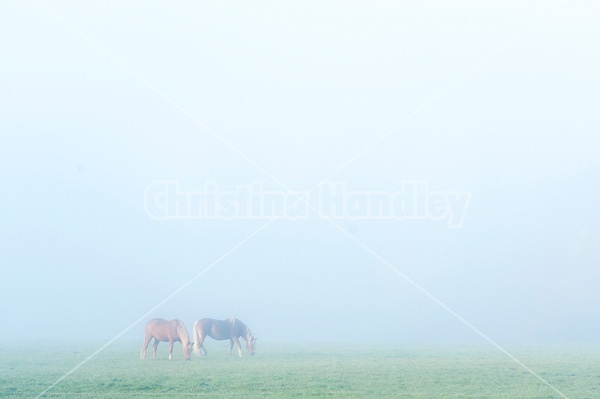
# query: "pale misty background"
300,88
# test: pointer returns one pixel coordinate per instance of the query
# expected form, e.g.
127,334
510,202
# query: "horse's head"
187,350
251,345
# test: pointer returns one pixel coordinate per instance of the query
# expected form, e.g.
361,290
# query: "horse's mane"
246,331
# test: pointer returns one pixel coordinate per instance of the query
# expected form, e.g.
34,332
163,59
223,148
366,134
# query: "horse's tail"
196,338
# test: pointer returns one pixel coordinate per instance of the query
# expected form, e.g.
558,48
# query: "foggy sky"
300,89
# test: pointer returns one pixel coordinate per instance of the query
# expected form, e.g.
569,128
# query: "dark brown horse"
166,331
231,329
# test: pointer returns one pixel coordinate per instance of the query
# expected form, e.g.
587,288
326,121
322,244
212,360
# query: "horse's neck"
247,333
182,333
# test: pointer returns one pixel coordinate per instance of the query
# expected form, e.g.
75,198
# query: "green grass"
300,372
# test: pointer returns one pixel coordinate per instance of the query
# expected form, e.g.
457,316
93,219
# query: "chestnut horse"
166,331
230,329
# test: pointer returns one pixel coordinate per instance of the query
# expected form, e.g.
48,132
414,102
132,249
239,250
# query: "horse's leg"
155,346
147,340
171,349
237,343
230,346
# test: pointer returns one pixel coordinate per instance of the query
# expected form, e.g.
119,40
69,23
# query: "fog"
101,100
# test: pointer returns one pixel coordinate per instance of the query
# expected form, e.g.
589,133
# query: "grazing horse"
162,331
230,329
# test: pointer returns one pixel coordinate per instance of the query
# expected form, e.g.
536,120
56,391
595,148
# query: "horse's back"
216,329
162,329
223,329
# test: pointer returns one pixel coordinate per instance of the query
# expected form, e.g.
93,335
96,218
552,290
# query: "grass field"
296,371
